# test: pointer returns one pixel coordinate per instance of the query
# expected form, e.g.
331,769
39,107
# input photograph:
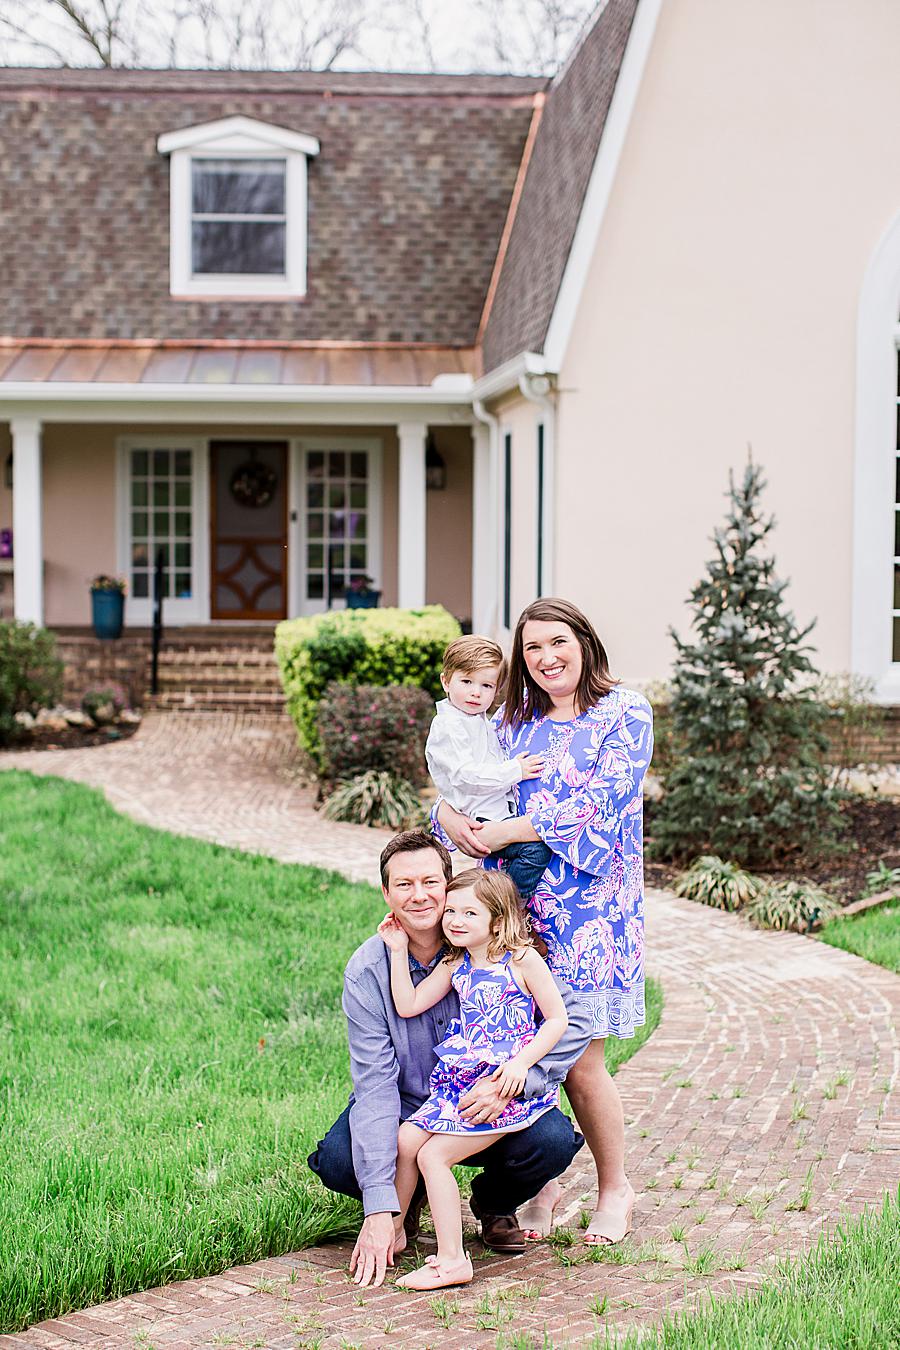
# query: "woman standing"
596,739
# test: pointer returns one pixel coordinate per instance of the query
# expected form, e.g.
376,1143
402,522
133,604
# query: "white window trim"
297,602
237,138
878,339
139,612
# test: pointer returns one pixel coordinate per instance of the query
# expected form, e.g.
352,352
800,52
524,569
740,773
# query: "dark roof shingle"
553,192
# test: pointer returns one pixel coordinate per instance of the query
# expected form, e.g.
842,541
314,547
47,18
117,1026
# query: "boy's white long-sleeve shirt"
467,765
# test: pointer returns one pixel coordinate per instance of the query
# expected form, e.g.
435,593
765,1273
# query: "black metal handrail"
159,577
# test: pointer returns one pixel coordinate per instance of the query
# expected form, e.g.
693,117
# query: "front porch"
261,503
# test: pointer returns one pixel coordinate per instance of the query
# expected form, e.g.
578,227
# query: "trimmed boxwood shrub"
31,674
368,726
358,646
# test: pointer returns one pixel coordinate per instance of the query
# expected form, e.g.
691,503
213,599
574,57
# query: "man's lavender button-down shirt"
391,1058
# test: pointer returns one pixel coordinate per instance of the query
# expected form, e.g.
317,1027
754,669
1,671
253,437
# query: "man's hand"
483,1103
394,937
532,765
463,831
510,1077
374,1250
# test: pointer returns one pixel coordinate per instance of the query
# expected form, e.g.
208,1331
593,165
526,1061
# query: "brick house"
476,337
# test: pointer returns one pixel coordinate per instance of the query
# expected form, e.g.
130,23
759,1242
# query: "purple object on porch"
6,550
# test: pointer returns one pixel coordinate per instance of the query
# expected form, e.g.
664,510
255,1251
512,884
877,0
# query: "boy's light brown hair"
470,653
509,924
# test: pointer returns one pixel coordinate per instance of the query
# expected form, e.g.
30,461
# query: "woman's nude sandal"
438,1275
607,1230
536,1220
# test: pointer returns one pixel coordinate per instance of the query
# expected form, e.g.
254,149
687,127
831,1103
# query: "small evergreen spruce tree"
749,780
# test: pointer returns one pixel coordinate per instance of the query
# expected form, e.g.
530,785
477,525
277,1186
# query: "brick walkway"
758,1114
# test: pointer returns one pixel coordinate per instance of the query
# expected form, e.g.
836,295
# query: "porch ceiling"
49,362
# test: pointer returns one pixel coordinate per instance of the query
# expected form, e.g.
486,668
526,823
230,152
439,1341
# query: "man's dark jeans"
515,1167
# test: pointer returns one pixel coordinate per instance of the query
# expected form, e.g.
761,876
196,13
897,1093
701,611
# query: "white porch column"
28,543
411,516
484,532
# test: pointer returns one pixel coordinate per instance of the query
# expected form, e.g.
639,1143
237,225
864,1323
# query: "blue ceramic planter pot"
107,612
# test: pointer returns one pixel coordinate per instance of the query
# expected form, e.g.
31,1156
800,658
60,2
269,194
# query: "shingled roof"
407,201
552,195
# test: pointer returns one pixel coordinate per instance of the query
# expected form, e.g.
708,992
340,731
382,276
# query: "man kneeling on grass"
391,1059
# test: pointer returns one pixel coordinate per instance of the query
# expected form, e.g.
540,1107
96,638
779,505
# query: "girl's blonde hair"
498,894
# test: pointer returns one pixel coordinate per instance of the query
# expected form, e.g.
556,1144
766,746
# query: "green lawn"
843,1296
874,934
171,1047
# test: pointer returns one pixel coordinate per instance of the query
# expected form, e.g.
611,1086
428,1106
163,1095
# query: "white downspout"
537,389
487,536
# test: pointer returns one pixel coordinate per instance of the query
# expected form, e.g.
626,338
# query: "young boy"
464,755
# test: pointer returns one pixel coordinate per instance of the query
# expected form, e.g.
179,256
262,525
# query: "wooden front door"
249,529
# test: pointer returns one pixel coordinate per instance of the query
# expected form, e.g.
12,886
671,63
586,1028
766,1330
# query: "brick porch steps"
222,669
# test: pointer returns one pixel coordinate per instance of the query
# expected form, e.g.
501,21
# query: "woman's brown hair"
522,698
497,892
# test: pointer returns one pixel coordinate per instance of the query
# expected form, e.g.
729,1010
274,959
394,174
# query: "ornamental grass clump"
31,674
712,881
376,798
749,779
358,646
795,905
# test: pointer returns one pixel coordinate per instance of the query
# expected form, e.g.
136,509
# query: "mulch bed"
73,738
873,836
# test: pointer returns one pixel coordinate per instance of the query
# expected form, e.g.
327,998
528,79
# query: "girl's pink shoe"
437,1274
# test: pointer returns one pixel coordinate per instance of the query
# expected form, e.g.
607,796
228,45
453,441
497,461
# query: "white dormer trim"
237,138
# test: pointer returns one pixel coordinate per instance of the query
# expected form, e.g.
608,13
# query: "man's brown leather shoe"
500,1232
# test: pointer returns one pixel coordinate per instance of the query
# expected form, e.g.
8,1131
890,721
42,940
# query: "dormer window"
238,215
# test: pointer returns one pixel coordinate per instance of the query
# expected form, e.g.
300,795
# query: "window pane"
182,555
358,556
315,464
315,555
183,585
315,589
358,465
139,522
183,463
315,494
897,534
358,494
336,462
896,653
244,187
161,551
336,497
138,462
336,557
140,588
139,494
160,494
357,525
160,524
337,524
233,247
896,585
183,523
160,462
182,494
315,524
139,555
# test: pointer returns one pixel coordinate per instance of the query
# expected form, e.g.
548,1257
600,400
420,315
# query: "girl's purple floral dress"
588,808
496,1021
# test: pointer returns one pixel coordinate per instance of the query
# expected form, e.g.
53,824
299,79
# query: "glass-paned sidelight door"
159,519
340,524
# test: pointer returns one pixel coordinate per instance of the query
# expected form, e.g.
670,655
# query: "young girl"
499,978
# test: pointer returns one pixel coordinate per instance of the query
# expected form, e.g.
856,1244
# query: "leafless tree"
509,35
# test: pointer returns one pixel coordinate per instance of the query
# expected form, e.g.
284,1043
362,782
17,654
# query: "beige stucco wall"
448,525
79,516
760,169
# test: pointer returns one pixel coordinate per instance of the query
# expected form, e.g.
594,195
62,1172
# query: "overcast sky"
450,35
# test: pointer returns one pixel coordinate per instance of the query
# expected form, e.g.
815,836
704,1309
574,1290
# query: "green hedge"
358,646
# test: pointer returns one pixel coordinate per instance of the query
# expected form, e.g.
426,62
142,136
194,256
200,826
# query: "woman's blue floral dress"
496,1021
588,808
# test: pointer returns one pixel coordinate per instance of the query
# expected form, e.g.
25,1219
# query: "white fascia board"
600,184
59,391
236,133
507,376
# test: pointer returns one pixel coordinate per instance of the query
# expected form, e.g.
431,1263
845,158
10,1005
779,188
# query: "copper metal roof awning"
225,363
